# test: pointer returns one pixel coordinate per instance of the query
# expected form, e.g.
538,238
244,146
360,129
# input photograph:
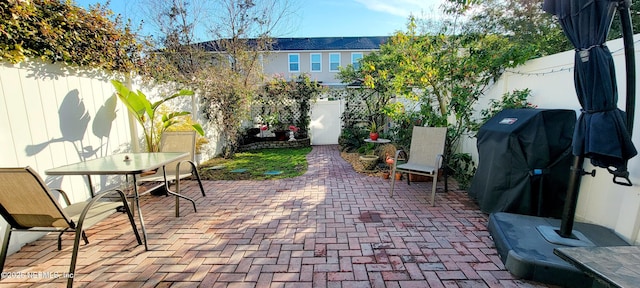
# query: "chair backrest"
426,144
26,202
179,141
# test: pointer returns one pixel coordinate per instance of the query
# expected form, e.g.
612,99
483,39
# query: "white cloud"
402,8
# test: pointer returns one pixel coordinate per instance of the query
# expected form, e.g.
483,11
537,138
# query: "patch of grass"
292,163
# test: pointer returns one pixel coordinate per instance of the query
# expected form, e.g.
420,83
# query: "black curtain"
601,132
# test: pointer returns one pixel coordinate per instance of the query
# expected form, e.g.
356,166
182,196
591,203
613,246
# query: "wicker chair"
28,205
425,156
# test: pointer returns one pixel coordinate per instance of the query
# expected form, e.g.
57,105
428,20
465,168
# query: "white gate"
326,124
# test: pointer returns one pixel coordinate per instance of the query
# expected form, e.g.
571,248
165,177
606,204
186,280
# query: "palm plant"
145,113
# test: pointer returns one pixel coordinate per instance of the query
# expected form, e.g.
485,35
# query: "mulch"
354,160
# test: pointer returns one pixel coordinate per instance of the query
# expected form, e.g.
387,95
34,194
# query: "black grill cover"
524,162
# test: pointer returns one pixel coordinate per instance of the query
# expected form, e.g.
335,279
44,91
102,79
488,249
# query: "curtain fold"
601,134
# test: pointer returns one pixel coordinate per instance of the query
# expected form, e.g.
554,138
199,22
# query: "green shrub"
58,31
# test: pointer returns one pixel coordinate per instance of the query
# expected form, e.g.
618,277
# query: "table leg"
137,204
93,194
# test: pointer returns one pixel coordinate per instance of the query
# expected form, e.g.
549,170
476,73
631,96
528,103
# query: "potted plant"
277,126
369,160
146,113
373,131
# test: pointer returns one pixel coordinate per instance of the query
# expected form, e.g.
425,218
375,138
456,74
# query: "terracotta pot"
281,135
374,136
419,178
385,175
398,176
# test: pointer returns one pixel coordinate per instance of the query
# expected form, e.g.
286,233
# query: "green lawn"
292,163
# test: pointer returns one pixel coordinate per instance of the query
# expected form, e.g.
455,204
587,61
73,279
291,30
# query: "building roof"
316,43
329,43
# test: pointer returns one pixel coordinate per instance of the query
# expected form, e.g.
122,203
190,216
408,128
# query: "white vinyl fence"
326,122
52,115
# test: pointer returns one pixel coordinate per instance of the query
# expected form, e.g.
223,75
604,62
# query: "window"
316,62
355,58
294,62
334,62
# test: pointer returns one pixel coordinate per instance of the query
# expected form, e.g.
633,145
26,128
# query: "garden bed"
271,142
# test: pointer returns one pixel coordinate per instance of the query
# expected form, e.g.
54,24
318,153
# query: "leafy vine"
59,31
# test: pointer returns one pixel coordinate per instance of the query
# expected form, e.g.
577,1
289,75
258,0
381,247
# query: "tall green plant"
444,72
145,113
288,102
376,73
515,99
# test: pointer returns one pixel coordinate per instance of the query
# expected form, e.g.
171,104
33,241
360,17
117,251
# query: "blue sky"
318,18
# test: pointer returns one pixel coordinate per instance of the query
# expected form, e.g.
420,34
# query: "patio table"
377,141
615,266
121,164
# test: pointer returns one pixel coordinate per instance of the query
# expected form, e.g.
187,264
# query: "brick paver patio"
331,227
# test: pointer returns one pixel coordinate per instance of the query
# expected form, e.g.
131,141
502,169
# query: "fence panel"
53,115
326,123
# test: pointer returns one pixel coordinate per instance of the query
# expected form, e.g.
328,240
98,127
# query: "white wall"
551,81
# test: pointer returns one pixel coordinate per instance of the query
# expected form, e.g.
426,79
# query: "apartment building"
319,57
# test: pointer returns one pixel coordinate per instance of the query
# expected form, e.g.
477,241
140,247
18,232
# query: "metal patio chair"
425,156
177,141
28,205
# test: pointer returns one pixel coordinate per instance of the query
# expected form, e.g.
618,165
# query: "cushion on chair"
416,167
99,211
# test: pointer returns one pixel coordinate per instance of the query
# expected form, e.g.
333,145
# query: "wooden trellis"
288,110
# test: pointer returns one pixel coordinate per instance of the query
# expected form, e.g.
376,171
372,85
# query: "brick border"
298,143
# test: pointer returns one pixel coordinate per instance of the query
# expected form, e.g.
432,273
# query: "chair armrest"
400,155
97,198
439,159
118,192
64,195
123,199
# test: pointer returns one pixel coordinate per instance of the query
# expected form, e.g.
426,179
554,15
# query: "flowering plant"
263,128
294,128
274,122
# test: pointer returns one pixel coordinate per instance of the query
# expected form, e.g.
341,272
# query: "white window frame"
261,61
330,63
311,62
297,63
354,61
